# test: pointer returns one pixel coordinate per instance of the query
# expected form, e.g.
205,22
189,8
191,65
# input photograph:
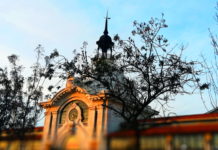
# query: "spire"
105,29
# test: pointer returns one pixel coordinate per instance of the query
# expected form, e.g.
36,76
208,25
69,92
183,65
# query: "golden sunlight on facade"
76,120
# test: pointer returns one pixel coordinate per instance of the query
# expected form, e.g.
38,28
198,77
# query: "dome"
105,43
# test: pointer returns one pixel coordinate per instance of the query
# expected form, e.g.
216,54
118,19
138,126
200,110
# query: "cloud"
42,20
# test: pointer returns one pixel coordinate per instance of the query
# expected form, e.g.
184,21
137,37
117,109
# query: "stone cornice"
51,102
45,104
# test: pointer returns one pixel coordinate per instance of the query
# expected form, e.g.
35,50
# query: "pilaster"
207,141
46,129
100,120
168,142
54,125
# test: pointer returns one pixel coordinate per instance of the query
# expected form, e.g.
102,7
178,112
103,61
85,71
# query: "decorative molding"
51,102
54,112
47,113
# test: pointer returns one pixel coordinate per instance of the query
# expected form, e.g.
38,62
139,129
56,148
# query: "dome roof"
105,43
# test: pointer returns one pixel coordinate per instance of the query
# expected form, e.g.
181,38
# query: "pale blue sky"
65,24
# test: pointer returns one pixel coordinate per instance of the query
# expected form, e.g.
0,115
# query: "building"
191,132
73,116
31,141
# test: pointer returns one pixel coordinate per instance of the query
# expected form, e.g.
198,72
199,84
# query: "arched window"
73,113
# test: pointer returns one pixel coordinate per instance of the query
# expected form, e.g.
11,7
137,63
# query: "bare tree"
143,70
211,67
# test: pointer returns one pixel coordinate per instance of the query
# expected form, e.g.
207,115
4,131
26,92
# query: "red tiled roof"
176,125
38,128
183,118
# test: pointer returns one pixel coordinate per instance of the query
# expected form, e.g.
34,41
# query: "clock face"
73,114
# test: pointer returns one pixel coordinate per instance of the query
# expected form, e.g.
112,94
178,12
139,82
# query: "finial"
69,83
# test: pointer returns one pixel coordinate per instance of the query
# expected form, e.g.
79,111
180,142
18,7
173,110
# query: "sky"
66,24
